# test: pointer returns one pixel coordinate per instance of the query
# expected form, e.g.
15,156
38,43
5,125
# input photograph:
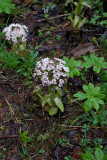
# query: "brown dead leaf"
83,49
29,2
66,24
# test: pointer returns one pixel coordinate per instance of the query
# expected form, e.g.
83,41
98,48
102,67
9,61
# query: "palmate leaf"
73,66
93,95
87,156
80,95
96,62
6,6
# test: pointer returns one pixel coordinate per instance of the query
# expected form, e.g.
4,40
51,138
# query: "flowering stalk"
53,74
17,34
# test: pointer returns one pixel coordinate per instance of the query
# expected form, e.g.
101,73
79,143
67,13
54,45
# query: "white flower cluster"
16,32
51,72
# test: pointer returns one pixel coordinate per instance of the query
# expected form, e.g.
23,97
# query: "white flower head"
51,72
16,32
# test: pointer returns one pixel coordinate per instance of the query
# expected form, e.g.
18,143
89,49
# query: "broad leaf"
99,154
53,111
59,104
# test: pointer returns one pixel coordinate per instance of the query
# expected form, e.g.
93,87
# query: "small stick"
11,110
11,136
76,126
67,14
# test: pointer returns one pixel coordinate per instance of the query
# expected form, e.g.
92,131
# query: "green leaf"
85,88
59,104
87,156
1,10
87,105
99,154
103,76
86,58
81,23
73,66
97,89
80,95
7,10
95,104
91,86
59,91
87,64
105,157
104,89
25,133
76,72
65,59
47,99
53,111
76,21
96,69
71,74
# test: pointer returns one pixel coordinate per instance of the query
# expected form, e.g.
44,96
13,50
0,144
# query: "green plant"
6,6
85,141
103,44
73,66
51,101
103,79
97,142
27,64
58,37
93,95
77,18
99,17
99,155
9,60
93,61
17,34
99,118
62,141
68,158
24,138
48,7
41,151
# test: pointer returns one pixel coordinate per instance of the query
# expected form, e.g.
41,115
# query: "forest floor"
55,137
